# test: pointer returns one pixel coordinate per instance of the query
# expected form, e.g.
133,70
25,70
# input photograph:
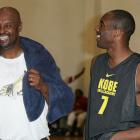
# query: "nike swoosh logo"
109,75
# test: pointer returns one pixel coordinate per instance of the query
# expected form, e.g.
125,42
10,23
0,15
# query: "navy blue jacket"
61,97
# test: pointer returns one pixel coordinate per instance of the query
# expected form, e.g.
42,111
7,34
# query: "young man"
114,99
30,84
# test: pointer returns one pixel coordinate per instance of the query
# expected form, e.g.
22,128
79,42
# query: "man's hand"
36,80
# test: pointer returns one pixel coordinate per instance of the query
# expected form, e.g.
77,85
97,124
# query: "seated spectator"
59,127
78,115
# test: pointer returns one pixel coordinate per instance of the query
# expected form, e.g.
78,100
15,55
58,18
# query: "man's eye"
8,26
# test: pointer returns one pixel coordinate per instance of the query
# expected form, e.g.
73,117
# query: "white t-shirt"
14,124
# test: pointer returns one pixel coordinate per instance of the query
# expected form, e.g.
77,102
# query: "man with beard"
114,99
30,84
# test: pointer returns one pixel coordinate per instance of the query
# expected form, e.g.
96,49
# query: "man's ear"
20,27
118,32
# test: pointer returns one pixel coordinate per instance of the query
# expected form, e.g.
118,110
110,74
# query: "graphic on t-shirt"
107,88
12,89
109,75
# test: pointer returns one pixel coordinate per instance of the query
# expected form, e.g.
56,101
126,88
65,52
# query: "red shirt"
81,103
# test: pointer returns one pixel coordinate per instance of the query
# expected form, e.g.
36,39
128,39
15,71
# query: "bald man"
31,88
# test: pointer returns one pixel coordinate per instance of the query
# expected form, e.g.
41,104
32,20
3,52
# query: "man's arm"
131,134
79,74
70,79
138,85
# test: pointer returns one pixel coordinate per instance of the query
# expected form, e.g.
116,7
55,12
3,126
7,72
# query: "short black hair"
123,20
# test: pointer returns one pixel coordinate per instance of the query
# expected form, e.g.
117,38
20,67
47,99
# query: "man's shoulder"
135,58
29,41
99,57
137,55
32,45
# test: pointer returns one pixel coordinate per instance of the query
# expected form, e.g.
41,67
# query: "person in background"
70,79
30,84
78,115
114,99
59,127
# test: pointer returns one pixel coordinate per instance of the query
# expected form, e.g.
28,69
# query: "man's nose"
2,29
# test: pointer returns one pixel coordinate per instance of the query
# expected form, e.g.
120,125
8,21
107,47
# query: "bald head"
11,11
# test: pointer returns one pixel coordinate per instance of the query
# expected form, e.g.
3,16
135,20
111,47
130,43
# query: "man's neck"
117,56
12,52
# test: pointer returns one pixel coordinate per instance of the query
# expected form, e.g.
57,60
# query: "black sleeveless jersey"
112,98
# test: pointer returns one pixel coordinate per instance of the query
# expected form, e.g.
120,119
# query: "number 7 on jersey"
104,104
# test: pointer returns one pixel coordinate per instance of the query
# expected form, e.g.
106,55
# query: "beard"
8,45
5,47
101,45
